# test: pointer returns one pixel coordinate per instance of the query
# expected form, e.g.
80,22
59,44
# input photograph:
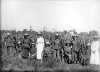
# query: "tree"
93,33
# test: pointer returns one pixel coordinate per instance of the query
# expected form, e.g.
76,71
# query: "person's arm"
34,54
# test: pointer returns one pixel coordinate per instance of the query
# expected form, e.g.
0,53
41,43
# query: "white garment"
95,53
40,46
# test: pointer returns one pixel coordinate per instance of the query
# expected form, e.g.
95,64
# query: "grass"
17,64
59,68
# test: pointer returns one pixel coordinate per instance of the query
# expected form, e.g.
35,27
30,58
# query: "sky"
53,15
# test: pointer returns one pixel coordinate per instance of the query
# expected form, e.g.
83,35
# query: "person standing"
95,52
40,46
25,46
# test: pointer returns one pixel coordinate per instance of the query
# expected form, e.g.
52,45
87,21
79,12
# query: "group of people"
70,49
56,47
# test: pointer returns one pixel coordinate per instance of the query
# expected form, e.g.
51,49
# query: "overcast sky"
82,15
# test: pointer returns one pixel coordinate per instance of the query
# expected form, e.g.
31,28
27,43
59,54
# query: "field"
60,68
22,65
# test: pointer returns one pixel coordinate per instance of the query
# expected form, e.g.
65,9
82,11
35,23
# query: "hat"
8,33
57,34
26,34
39,33
19,42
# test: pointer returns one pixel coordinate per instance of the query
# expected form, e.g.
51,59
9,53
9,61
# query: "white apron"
40,46
95,53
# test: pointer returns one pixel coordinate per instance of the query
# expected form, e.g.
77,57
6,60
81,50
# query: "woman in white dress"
40,47
95,53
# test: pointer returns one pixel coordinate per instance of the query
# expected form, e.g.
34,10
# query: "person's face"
39,35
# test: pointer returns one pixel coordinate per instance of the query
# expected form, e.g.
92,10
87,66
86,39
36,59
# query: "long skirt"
95,55
39,47
95,58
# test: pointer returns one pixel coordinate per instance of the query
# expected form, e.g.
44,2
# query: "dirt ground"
17,64
60,68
